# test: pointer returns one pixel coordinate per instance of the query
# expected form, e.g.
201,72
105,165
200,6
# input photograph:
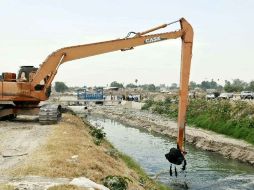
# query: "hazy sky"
223,41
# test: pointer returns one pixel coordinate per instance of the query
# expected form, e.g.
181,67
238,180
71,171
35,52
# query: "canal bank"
70,158
203,139
205,170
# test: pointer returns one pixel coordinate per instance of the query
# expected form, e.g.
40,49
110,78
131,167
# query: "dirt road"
18,139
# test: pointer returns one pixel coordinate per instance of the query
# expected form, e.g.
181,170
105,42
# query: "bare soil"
18,139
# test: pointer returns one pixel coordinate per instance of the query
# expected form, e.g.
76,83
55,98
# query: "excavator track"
6,112
50,114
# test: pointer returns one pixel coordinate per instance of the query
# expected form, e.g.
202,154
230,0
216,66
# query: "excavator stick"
177,155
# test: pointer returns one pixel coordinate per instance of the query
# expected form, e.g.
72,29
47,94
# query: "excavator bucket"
175,156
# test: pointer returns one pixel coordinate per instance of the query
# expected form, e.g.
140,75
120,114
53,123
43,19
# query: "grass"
234,119
143,178
132,164
6,187
70,152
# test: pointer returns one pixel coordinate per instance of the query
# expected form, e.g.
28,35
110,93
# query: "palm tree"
136,81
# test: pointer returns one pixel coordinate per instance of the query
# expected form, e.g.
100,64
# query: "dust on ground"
18,139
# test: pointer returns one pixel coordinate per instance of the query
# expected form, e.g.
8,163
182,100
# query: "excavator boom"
34,86
60,56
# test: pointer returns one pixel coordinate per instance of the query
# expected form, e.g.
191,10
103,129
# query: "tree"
193,85
136,81
60,87
148,87
116,84
228,86
251,86
209,85
236,86
131,85
151,87
173,86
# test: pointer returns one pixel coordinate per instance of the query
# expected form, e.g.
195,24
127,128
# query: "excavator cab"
26,73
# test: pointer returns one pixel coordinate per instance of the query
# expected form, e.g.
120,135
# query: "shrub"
235,119
98,134
116,182
147,105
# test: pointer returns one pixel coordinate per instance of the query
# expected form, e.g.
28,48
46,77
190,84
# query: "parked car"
226,95
212,95
246,95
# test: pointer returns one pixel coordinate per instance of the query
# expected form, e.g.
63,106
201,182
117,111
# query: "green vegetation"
131,85
132,164
144,179
116,182
60,87
236,85
98,134
116,84
205,85
235,119
148,87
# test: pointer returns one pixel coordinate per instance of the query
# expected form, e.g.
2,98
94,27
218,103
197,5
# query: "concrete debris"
87,183
44,183
73,159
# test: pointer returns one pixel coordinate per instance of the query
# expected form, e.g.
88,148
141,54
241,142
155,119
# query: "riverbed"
205,170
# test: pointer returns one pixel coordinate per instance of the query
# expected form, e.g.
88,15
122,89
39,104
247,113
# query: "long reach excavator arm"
35,86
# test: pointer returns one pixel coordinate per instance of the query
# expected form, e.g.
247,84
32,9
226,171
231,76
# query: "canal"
205,170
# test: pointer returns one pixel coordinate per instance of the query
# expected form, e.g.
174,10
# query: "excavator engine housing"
9,77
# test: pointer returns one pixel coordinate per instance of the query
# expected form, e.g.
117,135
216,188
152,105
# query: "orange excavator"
22,94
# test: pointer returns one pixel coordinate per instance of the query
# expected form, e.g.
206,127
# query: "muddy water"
205,170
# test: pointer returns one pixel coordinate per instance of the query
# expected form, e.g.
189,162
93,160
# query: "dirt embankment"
38,157
206,140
